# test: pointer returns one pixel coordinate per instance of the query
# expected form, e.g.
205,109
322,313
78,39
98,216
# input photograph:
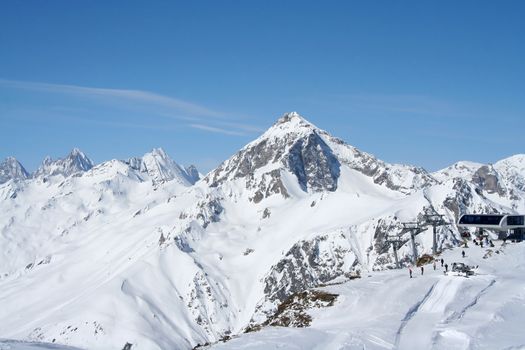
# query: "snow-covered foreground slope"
20,345
135,252
388,310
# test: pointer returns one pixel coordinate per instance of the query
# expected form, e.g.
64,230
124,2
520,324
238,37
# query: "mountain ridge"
294,209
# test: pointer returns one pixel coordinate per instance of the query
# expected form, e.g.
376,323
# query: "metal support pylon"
396,243
414,229
434,220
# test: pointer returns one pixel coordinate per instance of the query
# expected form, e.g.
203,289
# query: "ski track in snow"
410,314
459,315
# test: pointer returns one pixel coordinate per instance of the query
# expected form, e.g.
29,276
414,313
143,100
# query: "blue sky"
420,82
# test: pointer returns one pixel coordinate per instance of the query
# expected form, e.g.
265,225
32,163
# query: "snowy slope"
138,252
388,310
21,345
463,169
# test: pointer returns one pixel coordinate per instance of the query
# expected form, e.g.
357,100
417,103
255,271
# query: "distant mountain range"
149,252
156,164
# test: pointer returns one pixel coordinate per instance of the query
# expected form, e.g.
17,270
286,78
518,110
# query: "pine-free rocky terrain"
146,254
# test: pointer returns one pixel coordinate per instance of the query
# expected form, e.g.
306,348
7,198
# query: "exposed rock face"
268,184
293,312
208,305
462,198
11,169
308,264
487,179
314,164
75,162
193,173
210,211
292,145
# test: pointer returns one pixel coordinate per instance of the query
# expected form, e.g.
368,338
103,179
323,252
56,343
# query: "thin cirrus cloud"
216,129
161,105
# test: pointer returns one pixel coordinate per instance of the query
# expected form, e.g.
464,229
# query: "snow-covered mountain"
140,252
160,168
75,162
11,169
314,157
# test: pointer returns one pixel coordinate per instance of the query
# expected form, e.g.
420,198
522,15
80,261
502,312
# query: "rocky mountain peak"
11,169
160,167
315,157
292,118
79,160
158,152
75,162
289,125
292,144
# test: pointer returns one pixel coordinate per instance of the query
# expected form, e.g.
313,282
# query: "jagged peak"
158,152
75,151
78,154
290,125
76,161
293,118
47,160
295,144
10,159
160,167
290,122
11,168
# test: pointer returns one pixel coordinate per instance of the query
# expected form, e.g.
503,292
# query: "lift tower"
396,243
414,229
434,220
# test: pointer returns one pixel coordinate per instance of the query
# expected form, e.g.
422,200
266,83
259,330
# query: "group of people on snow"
434,265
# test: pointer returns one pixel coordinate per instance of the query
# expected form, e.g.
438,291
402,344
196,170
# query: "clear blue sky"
420,82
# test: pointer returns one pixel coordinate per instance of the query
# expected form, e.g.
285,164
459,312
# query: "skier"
446,267
410,271
442,262
422,269
463,253
434,265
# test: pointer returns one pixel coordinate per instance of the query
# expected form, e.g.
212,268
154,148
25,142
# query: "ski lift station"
509,226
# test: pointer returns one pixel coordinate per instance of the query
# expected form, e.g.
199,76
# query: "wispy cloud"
216,129
124,94
202,118
70,115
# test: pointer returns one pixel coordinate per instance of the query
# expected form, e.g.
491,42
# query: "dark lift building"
507,225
